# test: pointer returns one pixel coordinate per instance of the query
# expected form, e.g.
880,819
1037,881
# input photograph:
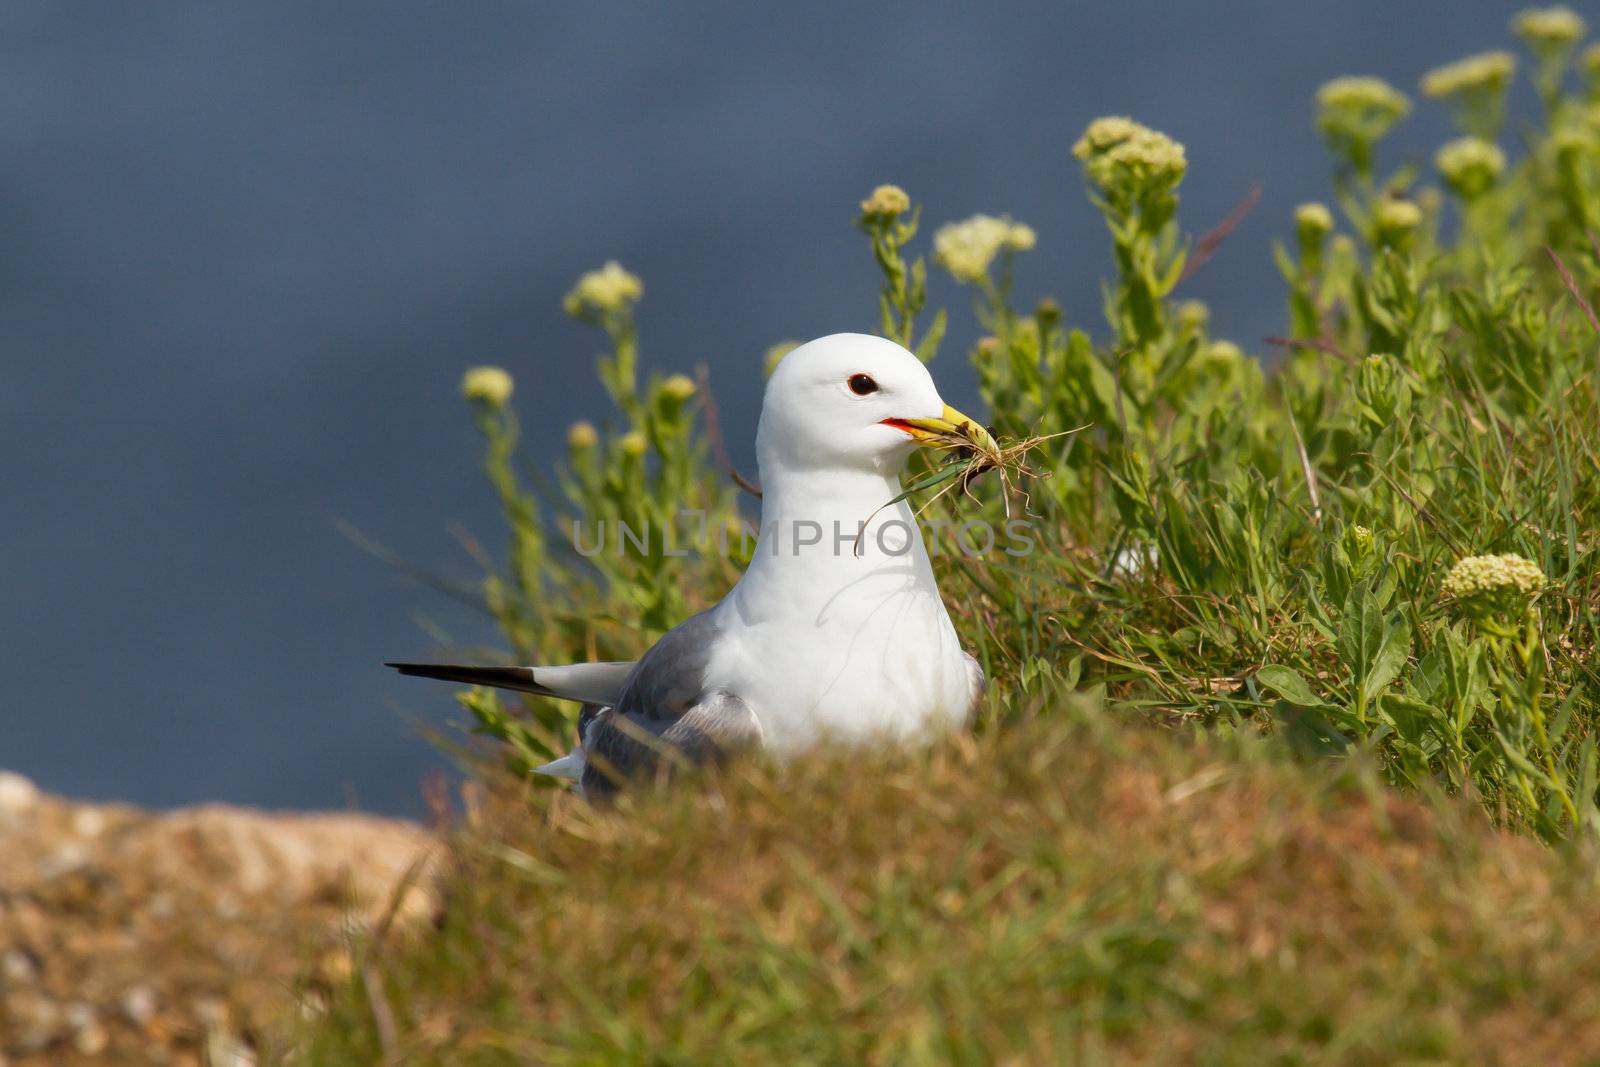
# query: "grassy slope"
1056,890
1054,894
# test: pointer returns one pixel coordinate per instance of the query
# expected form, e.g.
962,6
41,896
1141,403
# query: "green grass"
1053,893
1378,560
1435,398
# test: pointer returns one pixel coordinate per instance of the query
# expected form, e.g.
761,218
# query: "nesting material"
974,452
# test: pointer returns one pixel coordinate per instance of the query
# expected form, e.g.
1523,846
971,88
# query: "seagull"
836,630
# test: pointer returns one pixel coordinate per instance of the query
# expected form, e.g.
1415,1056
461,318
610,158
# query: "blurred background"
248,250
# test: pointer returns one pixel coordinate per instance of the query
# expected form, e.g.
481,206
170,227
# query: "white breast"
847,649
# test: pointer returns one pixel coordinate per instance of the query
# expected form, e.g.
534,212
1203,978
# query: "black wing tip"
517,678
428,670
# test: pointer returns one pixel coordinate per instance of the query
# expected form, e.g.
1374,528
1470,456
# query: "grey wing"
622,747
670,677
666,713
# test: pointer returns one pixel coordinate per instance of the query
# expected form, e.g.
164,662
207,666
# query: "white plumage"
822,638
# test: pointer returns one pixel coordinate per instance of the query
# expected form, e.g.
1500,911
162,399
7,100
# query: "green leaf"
1392,654
1287,683
1413,719
1518,759
1361,631
1308,732
928,347
1286,266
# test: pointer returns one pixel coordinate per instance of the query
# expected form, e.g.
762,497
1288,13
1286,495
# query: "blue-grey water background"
247,249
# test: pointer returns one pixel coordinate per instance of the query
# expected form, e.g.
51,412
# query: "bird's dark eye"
862,384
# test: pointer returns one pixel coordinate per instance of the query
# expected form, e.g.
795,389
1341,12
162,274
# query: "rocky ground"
183,937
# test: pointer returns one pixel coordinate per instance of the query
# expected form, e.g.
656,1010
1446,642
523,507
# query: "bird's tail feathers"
591,683
569,766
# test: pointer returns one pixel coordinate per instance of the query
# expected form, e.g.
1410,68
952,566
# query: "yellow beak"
950,430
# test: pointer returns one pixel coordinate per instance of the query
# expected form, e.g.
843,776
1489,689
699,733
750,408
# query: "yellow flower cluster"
582,436
1313,218
1470,165
487,385
1104,133
1571,145
1498,575
633,443
1362,109
1193,316
609,290
1486,71
886,202
967,248
1122,155
1021,238
1219,356
1546,28
679,387
1363,94
1397,216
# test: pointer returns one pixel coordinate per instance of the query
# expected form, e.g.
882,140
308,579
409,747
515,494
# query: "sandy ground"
183,937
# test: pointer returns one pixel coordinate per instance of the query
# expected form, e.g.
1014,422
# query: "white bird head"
852,401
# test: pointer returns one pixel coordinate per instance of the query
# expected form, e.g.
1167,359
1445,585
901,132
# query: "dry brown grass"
1032,898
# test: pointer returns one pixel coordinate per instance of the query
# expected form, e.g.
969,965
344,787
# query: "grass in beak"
969,458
